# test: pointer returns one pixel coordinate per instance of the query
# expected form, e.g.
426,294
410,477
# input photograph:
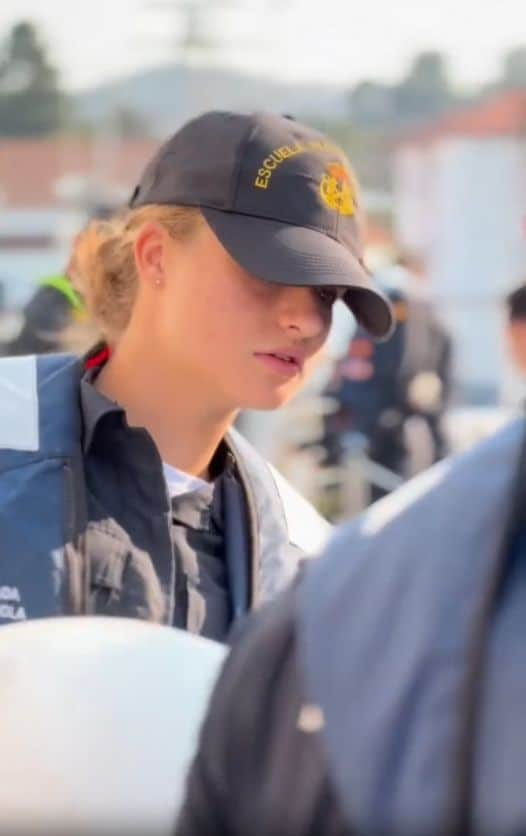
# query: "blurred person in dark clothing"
516,326
379,385
54,306
383,694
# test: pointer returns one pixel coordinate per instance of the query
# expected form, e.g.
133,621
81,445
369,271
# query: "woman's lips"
281,363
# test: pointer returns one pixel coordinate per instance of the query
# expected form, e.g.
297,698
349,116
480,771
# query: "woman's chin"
269,399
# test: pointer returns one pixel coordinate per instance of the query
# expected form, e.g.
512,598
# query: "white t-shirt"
179,482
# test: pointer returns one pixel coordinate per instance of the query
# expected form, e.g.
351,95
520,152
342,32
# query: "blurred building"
47,189
459,197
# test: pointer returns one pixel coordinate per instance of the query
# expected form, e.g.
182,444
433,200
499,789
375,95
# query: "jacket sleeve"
256,771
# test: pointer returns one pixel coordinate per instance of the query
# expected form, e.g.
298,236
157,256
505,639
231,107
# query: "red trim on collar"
98,359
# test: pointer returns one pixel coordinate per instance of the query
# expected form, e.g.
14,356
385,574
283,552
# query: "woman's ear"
149,252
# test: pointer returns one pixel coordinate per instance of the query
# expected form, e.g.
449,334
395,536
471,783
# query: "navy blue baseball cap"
280,197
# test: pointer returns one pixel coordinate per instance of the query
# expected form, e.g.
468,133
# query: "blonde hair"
103,270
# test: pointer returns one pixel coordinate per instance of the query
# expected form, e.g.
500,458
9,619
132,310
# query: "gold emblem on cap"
336,189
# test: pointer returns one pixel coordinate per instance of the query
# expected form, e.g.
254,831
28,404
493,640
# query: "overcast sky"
332,40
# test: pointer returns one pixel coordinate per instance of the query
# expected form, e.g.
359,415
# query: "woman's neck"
172,407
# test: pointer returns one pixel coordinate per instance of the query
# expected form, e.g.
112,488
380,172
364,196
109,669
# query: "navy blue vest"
44,548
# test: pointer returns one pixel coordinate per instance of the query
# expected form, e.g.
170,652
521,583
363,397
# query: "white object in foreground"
99,720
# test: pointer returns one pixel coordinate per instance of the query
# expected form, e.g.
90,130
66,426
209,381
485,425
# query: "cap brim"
303,257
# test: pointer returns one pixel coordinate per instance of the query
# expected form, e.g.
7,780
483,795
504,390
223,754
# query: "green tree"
425,90
31,102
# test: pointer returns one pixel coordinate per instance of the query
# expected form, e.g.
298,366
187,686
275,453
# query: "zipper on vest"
172,603
75,580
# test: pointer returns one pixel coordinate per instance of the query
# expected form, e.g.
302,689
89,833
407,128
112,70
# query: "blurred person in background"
54,307
384,692
516,327
379,386
124,489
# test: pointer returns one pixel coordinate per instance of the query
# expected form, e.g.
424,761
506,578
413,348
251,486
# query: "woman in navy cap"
123,488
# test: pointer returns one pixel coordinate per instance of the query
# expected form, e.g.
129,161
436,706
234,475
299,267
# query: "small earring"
158,282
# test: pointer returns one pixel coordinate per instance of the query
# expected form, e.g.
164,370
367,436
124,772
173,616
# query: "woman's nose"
301,312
